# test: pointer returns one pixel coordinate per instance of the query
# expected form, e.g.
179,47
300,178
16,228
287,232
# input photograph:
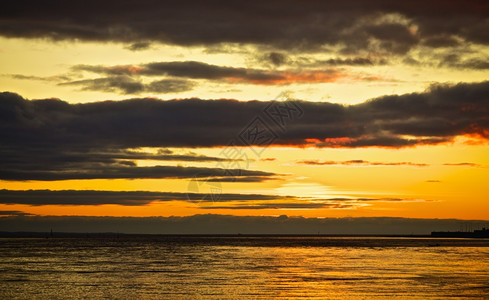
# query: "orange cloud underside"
288,78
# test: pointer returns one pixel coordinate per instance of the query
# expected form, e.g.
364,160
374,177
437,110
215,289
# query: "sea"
243,267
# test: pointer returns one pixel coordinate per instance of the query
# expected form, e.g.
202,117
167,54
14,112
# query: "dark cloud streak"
224,201
129,85
101,171
360,162
201,70
128,198
284,24
55,162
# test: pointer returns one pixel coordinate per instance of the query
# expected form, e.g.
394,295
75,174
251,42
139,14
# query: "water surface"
149,267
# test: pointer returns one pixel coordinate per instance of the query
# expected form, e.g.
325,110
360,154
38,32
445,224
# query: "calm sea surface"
157,267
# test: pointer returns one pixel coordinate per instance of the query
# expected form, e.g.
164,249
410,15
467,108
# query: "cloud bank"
224,224
71,137
433,33
352,24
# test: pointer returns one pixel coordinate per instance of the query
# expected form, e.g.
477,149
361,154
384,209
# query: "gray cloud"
40,78
471,63
125,84
138,46
129,85
273,59
170,86
356,61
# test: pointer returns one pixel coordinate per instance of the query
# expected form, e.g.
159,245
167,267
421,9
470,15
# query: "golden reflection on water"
360,272
148,269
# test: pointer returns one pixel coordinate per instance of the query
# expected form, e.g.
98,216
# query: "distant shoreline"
24,234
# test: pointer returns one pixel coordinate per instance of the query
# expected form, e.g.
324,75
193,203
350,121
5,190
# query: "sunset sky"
324,109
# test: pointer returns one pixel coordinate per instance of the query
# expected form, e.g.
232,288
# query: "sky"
243,110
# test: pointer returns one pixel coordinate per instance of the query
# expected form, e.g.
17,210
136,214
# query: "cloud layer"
352,24
131,198
200,70
217,200
183,76
51,139
128,85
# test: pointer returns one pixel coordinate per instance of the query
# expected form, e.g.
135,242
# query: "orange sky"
323,172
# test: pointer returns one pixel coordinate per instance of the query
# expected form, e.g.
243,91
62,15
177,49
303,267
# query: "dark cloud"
170,86
390,37
162,154
225,224
129,85
32,130
113,156
357,61
40,78
441,41
306,205
122,83
240,178
200,70
353,24
138,46
308,62
218,201
179,76
13,213
437,115
274,59
360,162
454,61
55,162
45,172
131,198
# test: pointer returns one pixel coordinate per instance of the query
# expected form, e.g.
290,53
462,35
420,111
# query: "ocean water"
184,267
